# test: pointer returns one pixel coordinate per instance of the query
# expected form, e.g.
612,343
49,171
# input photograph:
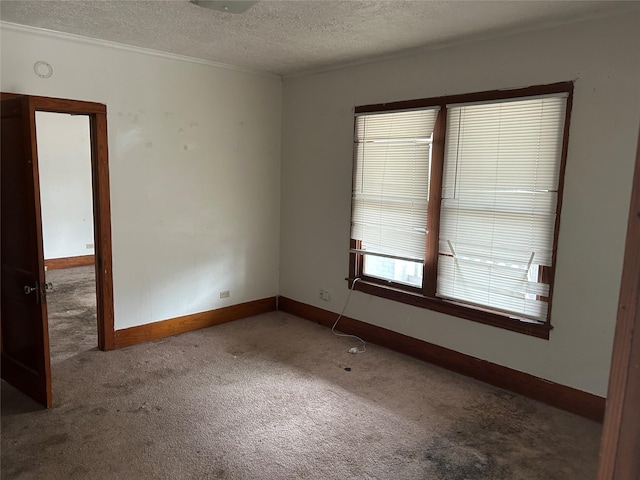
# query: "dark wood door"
23,324
620,447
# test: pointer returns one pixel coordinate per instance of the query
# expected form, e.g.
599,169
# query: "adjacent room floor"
272,397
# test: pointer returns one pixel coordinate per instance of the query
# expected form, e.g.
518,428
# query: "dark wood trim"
60,105
69,262
619,451
9,96
102,230
560,396
549,89
354,258
97,114
174,326
476,314
550,272
430,270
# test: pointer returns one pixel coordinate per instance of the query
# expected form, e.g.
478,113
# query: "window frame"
425,297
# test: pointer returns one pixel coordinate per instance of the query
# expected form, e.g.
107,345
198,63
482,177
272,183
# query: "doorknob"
28,290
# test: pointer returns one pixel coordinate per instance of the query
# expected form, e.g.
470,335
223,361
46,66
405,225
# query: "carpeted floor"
71,311
272,397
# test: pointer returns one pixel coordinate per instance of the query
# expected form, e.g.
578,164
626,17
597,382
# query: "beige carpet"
274,397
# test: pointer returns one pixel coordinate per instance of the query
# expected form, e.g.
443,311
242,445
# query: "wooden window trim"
430,275
485,316
560,87
425,297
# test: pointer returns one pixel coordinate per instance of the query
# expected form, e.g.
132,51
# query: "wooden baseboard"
174,326
69,262
560,396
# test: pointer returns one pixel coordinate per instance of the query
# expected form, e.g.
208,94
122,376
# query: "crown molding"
72,37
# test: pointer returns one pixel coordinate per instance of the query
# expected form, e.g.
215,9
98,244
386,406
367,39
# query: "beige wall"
64,164
603,58
194,154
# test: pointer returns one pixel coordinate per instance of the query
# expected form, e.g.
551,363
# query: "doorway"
66,200
25,343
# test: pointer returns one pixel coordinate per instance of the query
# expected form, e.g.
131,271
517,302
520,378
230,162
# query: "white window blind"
391,182
499,203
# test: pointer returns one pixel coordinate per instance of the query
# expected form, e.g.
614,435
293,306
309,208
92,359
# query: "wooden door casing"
97,114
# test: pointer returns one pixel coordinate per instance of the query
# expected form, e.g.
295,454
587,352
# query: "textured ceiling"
291,37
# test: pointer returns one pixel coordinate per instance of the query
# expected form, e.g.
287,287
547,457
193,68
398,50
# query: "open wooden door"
620,447
23,324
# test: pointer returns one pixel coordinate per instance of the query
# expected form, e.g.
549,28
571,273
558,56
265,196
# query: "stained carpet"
272,397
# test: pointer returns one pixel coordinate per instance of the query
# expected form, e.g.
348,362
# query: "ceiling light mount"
43,69
226,6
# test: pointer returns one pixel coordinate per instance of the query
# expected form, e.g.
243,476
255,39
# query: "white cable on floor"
364,344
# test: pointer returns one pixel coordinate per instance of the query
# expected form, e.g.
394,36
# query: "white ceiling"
291,37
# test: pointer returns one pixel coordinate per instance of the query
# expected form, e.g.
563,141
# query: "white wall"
604,60
64,162
194,154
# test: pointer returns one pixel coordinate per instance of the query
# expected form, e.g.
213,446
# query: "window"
391,192
456,203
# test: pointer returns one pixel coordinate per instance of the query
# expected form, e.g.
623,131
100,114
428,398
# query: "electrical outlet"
225,293
89,246
325,295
